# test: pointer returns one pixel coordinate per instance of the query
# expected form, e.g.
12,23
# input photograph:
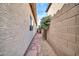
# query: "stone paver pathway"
35,48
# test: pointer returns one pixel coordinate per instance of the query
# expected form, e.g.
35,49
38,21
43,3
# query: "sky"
41,8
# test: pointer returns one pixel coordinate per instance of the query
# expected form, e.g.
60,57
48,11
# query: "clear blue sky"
41,8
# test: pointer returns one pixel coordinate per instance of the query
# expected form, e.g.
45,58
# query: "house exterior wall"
54,8
63,31
15,35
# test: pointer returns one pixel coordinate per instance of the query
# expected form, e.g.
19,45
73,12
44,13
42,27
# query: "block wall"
63,33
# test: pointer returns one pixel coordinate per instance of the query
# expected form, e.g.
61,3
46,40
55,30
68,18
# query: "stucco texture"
15,35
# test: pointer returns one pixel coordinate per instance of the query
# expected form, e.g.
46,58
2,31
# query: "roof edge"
34,14
48,7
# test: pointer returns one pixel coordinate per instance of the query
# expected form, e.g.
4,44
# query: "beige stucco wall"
15,35
63,32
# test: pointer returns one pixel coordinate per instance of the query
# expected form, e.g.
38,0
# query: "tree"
45,22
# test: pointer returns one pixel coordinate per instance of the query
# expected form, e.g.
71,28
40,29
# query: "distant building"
18,26
53,8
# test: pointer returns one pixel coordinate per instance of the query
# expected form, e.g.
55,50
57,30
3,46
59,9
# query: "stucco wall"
63,32
54,8
15,35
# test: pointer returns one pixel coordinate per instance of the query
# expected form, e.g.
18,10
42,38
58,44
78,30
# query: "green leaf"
45,22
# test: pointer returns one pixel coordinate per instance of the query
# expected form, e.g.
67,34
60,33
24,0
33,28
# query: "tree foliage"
45,22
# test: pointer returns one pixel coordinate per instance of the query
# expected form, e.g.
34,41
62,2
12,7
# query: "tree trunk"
44,34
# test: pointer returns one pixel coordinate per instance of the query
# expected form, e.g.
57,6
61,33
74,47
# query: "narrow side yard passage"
40,47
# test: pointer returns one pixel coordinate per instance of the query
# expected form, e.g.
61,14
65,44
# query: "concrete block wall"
63,34
15,35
